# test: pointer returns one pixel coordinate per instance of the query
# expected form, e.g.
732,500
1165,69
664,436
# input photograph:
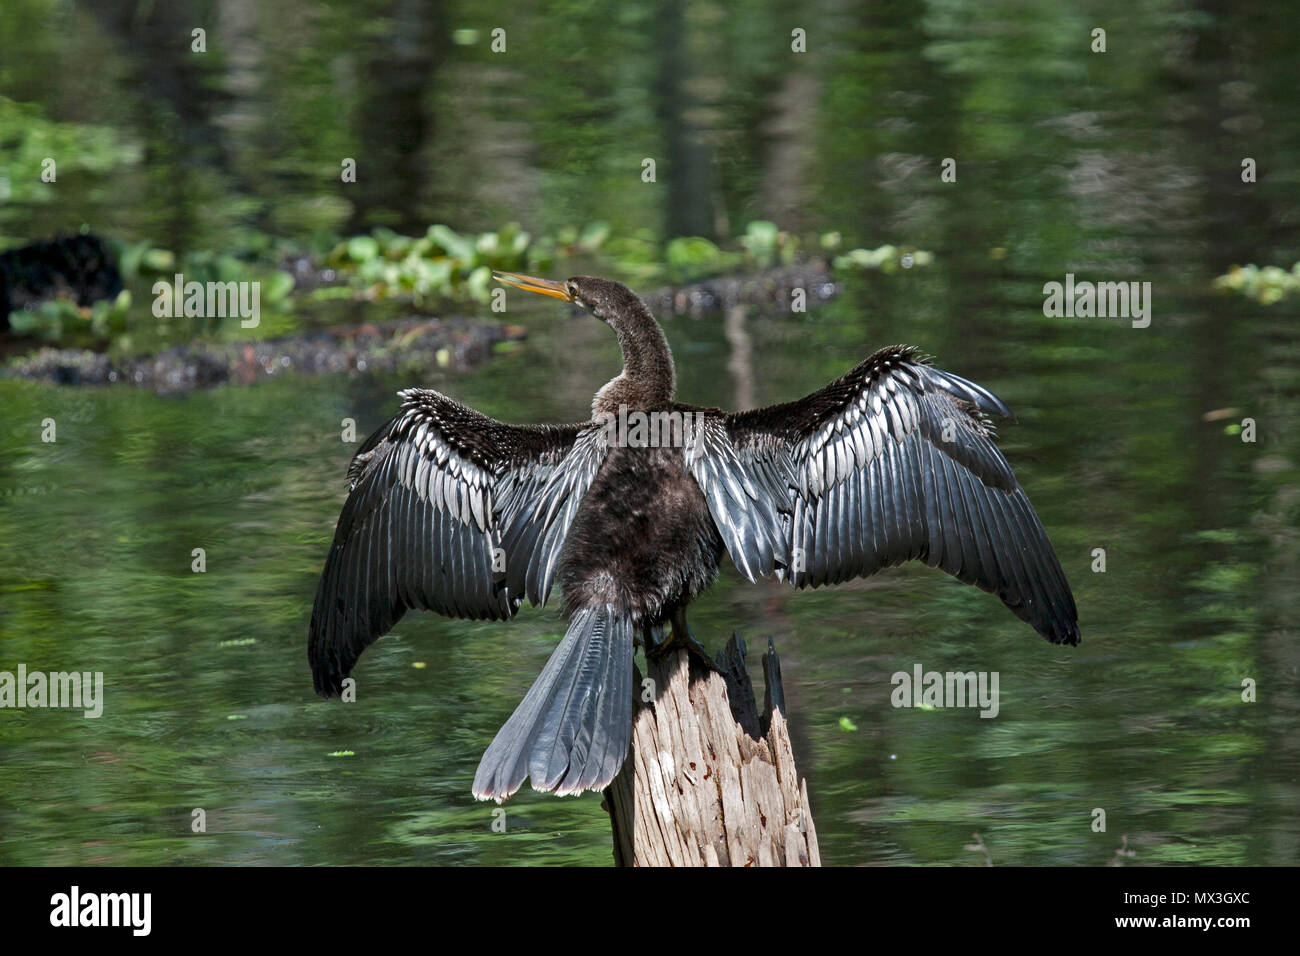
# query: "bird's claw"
682,640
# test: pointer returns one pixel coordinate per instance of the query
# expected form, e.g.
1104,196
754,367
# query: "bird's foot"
652,637
681,638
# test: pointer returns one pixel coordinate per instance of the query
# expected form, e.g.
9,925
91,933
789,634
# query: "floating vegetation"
1266,286
61,319
426,271
887,259
440,264
152,272
445,264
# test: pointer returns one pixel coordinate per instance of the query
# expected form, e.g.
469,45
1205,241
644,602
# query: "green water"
1115,167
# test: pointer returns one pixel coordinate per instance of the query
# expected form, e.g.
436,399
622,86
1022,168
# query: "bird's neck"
648,379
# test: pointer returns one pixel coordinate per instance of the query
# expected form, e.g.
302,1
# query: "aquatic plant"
1266,286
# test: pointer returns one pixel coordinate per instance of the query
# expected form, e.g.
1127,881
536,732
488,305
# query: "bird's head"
648,378
603,298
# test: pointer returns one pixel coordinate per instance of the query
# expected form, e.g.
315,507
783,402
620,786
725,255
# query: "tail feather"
572,730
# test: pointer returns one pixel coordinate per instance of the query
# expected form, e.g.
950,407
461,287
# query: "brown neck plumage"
648,379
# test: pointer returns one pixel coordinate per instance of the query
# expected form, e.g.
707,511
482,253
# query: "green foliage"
440,264
766,245
692,257
27,139
445,264
887,259
62,320
141,265
1266,286
142,262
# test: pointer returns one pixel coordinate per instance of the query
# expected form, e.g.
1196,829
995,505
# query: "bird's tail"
572,730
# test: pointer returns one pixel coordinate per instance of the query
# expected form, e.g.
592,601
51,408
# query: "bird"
631,511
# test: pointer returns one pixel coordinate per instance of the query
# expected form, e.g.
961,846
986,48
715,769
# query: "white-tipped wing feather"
449,511
893,462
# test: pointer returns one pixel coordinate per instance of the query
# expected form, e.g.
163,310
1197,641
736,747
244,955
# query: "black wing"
893,462
449,511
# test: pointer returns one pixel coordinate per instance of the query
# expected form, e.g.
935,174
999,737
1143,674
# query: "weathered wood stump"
708,782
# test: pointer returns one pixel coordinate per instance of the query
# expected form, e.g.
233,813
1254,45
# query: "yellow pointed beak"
555,290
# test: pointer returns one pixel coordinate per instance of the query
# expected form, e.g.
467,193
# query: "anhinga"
455,512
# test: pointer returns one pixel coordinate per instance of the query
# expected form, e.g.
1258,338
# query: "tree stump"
708,782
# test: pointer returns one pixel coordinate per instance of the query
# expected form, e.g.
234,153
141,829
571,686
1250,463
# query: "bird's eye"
570,288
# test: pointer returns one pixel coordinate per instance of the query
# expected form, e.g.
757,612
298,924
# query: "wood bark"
709,781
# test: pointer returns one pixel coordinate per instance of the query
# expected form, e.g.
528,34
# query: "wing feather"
436,496
895,461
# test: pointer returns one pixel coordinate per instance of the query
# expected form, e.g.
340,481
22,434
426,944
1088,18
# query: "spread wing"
893,462
449,511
